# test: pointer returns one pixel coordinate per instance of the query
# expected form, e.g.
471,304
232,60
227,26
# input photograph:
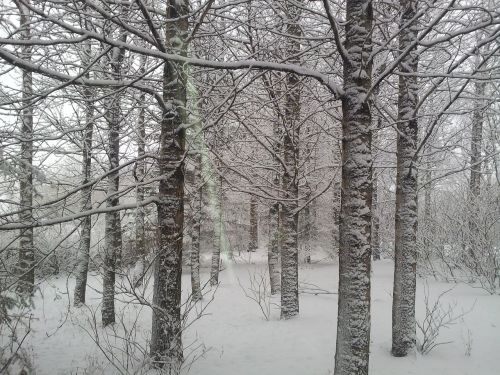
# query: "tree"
140,174
197,205
274,246
113,230
353,323
289,180
82,265
254,225
405,252
217,206
26,243
166,340
475,167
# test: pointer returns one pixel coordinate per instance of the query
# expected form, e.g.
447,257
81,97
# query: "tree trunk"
113,228
218,241
197,216
307,217
475,175
375,219
306,235
353,323
82,265
274,247
375,209
26,245
140,214
113,237
166,340
254,225
336,206
337,186
289,245
273,251
405,253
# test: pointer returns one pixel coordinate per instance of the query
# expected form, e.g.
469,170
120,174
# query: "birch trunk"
26,244
166,340
353,323
405,256
82,265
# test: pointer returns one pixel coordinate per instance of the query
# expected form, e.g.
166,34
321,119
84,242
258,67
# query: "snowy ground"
233,337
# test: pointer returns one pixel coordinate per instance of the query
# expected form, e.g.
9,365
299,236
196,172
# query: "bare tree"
289,181
405,252
140,174
197,205
82,264
166,340
26,243
353,323
254,225
113,230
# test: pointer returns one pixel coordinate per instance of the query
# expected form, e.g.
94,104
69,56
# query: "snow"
238,340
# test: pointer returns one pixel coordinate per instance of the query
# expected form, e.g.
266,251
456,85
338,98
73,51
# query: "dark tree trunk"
166,340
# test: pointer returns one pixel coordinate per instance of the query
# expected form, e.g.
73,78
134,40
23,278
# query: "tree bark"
475,175
289,244
82,265
274,246
26,243
140,214
166,340
405,255
375,209
197,216
254,228
307,231
353,323
218,248
112,233
273,251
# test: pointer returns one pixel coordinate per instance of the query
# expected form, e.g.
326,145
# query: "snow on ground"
232,337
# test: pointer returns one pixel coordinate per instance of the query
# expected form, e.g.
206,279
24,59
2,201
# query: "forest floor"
232,337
